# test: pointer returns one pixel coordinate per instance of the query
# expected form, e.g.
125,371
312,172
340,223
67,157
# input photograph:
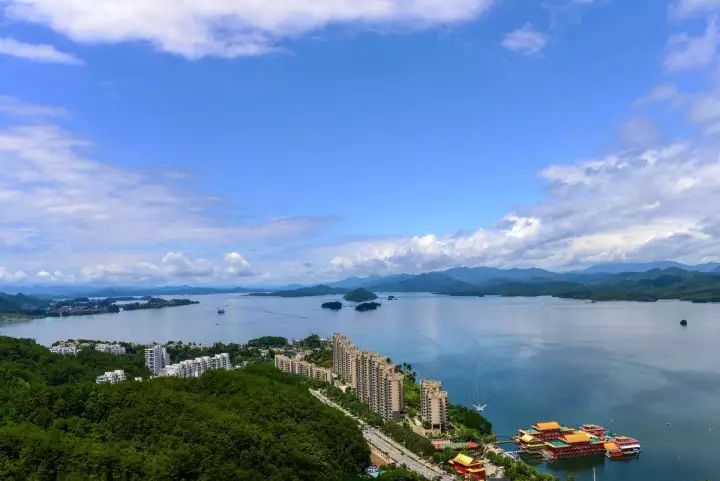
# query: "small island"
360,295
157,303
333,306
367,306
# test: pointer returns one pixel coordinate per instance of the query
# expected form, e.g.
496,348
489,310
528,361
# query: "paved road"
393,450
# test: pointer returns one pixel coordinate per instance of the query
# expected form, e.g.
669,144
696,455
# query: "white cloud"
637,205
525,40
77,211
230,28
704,108
172,267
686,53
9,276
666,92
639,132
177,265
687,8
50,276
237,265
17,108
36,52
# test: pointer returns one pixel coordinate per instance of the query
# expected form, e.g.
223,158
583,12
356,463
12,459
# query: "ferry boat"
621,447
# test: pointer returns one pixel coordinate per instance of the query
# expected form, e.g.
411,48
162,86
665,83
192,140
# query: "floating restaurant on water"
554,441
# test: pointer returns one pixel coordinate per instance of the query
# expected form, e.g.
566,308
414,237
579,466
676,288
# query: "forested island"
20,306
360,295
367,306
333,306
318,290
157,303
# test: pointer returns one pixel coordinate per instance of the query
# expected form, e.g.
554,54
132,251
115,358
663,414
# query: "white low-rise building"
196,367
116,349
65,350
111,377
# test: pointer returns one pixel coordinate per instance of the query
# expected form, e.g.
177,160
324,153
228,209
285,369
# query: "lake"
628,366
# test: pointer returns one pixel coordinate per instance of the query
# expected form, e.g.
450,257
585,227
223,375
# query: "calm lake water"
628,366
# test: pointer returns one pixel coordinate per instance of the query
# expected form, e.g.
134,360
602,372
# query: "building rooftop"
548,426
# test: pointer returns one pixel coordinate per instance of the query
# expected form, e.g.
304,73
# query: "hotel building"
196,367
116,349
373,378
65,350
302,368
433,404
111,377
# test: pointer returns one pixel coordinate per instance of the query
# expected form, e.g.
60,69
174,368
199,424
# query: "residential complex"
303,368
433,404
116,349
111,377
373,378
196,367
156,358
65,350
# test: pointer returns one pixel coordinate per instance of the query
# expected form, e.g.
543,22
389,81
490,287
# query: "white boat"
479,408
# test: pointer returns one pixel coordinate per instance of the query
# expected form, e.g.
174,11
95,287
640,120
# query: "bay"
629,366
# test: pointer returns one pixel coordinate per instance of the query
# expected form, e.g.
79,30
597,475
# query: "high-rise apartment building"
156,358
433,404
373,378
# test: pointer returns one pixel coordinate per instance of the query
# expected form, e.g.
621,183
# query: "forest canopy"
251,424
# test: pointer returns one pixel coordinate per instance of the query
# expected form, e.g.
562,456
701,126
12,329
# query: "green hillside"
55,423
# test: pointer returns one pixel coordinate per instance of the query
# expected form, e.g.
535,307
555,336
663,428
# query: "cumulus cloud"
50,276
172,267
629,205
525,40
177,265
237,265
685,52
9,276
230,28
36,52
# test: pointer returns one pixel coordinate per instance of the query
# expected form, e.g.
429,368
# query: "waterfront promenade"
393,450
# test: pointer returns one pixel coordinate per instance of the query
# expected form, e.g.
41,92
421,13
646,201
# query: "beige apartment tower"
374,379
433,404
303,368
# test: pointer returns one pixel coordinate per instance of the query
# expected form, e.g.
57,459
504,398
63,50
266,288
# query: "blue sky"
262,142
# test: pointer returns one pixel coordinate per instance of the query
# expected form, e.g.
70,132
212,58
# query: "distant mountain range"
615,281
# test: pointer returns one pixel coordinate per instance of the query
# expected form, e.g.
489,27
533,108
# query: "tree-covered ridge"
258,423
672,283
318,290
